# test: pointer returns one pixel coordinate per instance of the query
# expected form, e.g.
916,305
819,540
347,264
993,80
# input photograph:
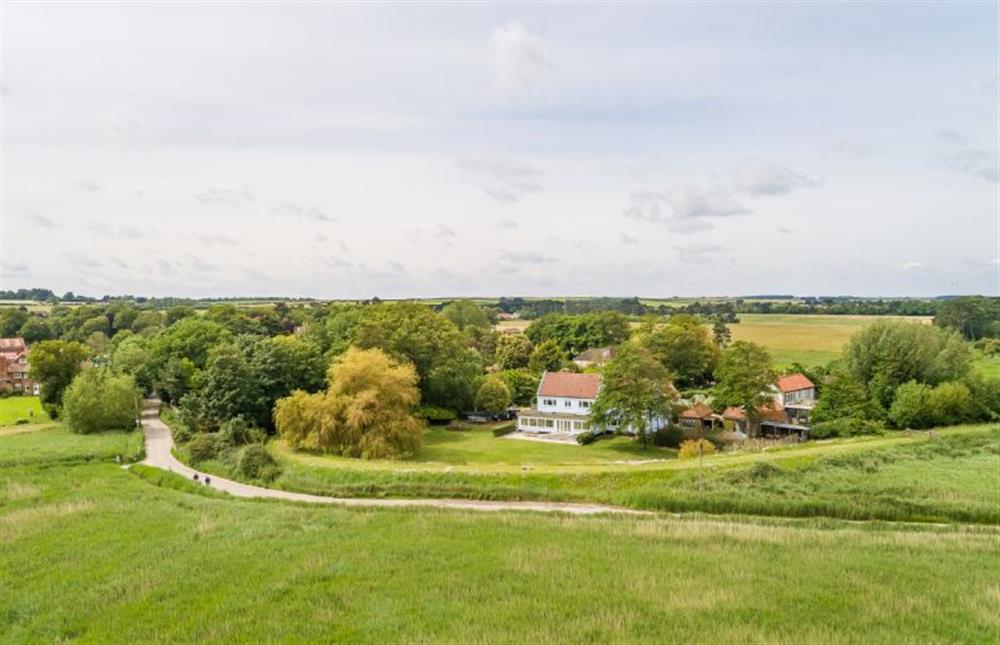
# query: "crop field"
155,558
13,408
806,339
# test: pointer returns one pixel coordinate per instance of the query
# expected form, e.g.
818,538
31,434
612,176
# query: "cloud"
120,233
214,238
953,136
83,261
506,223
519,61
700,253
524,257
197,264
291,209
118,262
910,266
42,221
758,177
684,208
13,268
504,180
443,230
975,163
786,231
87,186
628,239
337,263
237,198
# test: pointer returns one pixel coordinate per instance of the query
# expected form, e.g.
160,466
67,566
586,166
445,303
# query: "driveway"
159,443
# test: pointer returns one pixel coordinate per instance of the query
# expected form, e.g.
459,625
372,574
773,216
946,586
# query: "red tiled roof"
576,386
771,412
697,411
735,414
794,382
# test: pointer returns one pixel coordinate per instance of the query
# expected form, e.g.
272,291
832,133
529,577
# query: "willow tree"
367,410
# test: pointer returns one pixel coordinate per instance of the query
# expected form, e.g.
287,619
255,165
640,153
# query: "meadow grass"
901,476
13,408
56,444
93,553
807,339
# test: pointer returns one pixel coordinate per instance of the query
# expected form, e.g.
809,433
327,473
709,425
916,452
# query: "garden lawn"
93,553
479,446
13,408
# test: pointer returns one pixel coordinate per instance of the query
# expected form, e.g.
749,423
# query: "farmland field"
800,338
162,562
13,408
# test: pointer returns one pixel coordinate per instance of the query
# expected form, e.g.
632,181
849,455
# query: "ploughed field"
97,553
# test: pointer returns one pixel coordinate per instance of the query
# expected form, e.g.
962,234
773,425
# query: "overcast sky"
446,150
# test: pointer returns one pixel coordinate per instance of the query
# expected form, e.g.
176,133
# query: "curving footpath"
159,444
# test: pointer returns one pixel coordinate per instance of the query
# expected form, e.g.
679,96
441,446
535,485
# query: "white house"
563,404
797,395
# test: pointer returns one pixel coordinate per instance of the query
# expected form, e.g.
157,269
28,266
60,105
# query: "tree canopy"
99,400
684,347
367,410
54,363
744,380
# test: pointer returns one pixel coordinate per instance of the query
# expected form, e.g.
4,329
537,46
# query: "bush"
669,436
847,427
257,463
586,437
503,428
203,447
21,422
689,448
435,415
239,432
99,400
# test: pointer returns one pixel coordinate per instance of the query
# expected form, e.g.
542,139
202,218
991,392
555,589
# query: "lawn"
96,554
479,446
807,339
56,444
13,408
901,476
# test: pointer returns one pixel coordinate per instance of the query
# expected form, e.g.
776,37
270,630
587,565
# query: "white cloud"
911,266
519,59
684,209
504,180
758,177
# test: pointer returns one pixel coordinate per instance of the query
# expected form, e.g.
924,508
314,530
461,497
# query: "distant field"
13,408
807,339
810,340
159,560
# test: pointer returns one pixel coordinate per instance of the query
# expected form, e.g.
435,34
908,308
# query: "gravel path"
159,443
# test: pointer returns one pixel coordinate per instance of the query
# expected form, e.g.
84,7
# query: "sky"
444,150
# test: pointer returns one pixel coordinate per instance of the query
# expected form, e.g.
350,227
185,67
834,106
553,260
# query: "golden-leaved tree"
367,410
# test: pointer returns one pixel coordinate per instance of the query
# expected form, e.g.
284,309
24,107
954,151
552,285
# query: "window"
549,401
567,403
584,404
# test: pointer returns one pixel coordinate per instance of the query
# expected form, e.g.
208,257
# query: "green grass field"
13,408
806,339
95,553
901,476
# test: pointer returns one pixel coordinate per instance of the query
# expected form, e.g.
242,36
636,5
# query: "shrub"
238,432
203,447
21,422
689,448
847,427
435,415
503,428
257,463
669,436
98,400
586,437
